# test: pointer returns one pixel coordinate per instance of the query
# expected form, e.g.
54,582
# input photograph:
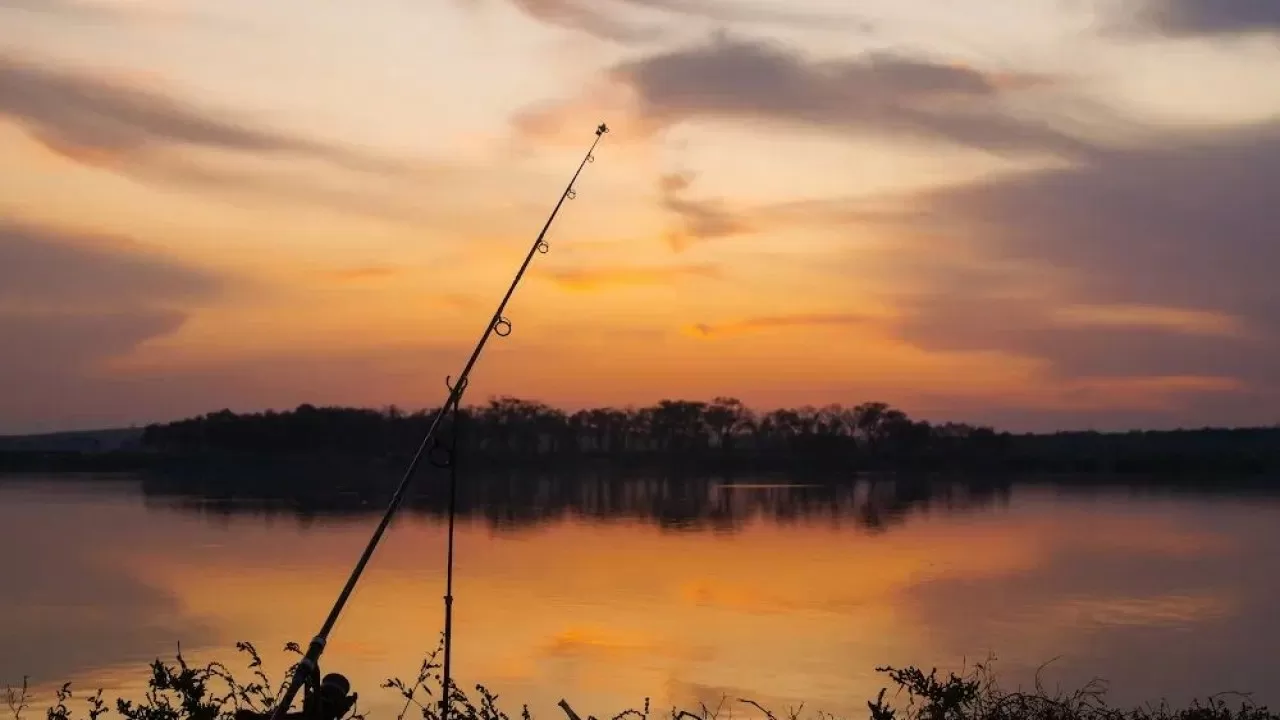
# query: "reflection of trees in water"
506,501
705,503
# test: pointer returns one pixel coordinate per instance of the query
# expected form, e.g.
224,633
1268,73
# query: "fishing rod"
330,694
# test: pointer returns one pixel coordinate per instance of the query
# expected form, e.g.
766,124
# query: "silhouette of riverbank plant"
179,690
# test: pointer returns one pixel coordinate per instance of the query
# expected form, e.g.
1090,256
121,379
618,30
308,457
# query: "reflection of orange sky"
607,614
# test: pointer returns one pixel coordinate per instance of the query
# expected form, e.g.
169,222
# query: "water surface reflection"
510,502
607,590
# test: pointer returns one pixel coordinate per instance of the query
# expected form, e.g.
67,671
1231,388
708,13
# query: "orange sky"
1035,214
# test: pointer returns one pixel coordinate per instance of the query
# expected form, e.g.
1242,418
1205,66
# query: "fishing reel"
328,698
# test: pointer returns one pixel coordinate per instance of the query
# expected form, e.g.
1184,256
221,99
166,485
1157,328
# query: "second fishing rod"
307,670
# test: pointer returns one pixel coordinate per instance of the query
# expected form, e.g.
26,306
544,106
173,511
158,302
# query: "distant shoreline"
1164,466
673,436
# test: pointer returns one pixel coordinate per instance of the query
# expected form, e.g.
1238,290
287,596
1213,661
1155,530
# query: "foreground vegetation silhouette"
718,436
180,691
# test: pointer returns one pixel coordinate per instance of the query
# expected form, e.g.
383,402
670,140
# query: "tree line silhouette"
722,435
512,429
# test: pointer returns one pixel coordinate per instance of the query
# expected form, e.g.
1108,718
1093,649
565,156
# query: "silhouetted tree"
871,435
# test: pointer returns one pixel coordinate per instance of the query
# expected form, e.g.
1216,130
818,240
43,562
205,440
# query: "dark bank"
721,436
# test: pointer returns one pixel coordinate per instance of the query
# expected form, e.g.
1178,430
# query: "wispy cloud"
137,132
638,21
600,18
777,322
71,8
746,11
76,112
1209,17
81,9
698,219
874,93
1151,392
1152,262
1178,320
593,279
70,301
43,269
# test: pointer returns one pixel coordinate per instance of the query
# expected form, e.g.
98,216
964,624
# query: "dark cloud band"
1211,17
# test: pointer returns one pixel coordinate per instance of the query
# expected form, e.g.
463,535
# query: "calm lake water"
608,592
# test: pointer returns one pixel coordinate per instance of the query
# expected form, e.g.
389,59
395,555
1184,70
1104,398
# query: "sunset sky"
1032,213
